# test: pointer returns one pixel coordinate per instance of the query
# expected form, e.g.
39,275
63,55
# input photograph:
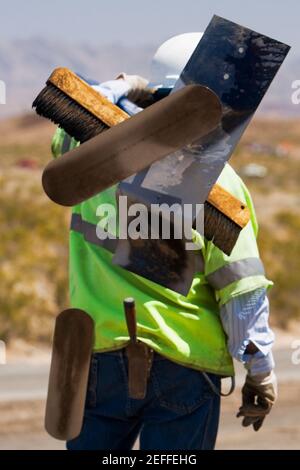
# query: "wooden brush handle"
229,205
77,89
130,314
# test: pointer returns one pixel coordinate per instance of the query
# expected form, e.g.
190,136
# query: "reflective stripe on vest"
88,230
235,271
66,144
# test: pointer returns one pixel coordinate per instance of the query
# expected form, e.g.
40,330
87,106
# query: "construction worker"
194,338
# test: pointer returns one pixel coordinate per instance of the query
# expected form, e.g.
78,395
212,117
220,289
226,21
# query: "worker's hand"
138,87
258,396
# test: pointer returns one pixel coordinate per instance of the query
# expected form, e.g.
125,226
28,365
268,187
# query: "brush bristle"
219,229
55,105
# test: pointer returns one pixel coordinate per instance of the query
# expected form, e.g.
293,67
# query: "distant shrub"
33,260
280,249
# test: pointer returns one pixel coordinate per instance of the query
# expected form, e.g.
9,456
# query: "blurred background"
101,39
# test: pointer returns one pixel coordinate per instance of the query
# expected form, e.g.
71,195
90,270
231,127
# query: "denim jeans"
179,412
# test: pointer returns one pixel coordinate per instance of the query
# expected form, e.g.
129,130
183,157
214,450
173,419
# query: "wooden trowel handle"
130,314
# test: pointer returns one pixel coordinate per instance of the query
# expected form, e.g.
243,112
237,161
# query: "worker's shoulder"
233,183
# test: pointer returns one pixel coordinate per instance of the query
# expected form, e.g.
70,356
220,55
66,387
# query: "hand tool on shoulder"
132,145
83,112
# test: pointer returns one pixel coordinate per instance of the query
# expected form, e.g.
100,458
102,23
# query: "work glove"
138,87
258,396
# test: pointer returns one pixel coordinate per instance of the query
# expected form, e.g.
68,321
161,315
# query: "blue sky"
141,21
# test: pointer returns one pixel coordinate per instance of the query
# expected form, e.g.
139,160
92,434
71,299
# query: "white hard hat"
171,57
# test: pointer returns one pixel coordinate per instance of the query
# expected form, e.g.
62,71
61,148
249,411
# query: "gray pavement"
23,391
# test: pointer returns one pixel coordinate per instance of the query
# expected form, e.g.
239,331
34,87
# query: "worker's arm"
240,287
132,87
114,90
250,339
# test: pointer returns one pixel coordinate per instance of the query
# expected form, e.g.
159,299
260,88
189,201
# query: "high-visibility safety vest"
187,329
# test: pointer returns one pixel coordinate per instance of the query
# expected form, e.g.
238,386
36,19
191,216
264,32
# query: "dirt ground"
281,429
21,425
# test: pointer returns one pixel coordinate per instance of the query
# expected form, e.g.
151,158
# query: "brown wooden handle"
229,205
83,94
130,314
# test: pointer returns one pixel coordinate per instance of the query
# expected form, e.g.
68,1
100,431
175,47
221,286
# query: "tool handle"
130,314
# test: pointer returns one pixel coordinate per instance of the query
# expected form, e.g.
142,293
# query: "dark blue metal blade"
238,64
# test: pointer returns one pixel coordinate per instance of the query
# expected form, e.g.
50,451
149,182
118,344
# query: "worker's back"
186,329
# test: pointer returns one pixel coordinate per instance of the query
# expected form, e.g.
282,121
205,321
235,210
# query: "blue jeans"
179,412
